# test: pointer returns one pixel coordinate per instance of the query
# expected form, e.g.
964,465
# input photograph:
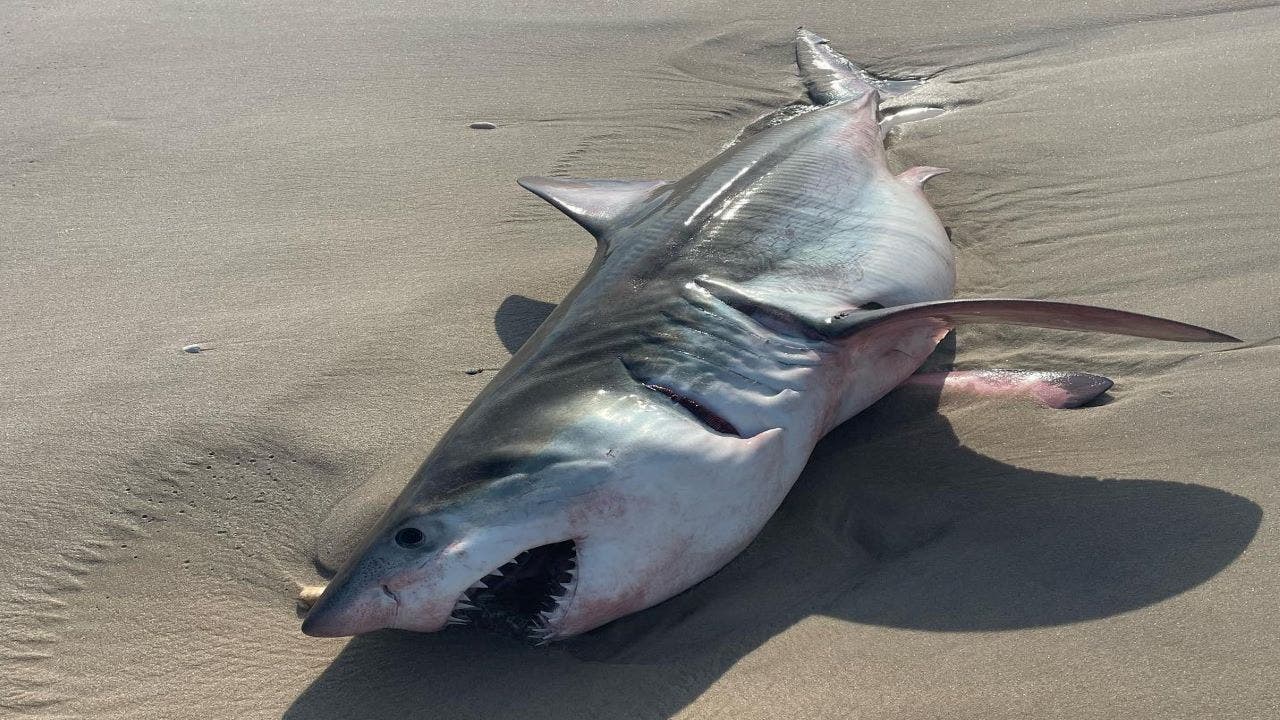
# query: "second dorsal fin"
917,175
594,204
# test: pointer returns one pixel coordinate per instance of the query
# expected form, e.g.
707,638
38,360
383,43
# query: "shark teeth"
527,597
540,635
547,620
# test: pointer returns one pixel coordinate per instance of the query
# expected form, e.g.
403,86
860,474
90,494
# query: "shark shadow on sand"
893,523
517,318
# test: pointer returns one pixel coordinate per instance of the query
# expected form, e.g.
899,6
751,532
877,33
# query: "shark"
644,434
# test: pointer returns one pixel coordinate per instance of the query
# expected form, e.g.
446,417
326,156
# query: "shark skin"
642,437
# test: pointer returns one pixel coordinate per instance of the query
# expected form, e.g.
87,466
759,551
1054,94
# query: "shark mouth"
525,598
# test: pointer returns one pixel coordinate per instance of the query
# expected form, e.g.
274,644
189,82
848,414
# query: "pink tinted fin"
593,204
918,174
1058,390
1037,313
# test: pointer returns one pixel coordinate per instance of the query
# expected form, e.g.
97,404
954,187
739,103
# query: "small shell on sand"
482,126
191,348
308,595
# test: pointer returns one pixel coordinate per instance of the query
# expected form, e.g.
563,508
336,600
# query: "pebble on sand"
308,595
482,126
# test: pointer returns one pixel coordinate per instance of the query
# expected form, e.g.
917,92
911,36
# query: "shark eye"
409,537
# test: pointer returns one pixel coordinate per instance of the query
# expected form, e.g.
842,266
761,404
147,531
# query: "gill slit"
755,381
709,418
734,341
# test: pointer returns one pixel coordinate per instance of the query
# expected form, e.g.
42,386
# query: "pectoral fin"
1037,313
803,318
1059,390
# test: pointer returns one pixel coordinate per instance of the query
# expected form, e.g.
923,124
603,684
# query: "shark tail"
830,77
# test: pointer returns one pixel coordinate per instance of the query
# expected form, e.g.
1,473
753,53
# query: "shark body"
648,430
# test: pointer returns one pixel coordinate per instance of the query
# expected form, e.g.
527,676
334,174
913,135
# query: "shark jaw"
526,598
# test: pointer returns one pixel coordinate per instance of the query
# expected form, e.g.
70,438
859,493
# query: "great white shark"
646,432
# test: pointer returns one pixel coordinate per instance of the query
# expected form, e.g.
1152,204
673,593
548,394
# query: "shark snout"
345,609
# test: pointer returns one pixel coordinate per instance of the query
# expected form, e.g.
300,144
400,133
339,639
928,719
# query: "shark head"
605,516
501,553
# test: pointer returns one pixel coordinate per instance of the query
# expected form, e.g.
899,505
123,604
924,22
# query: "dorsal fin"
593,204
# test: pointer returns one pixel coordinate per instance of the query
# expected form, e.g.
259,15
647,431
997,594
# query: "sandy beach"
295,190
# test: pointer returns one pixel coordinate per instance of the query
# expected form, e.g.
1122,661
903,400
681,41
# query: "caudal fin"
828,76
831,77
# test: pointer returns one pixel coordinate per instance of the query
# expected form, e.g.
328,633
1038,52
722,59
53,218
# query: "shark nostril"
387,591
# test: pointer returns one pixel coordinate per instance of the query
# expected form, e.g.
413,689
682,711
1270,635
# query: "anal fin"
908,115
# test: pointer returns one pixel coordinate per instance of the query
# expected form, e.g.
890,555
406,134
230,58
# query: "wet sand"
296,191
